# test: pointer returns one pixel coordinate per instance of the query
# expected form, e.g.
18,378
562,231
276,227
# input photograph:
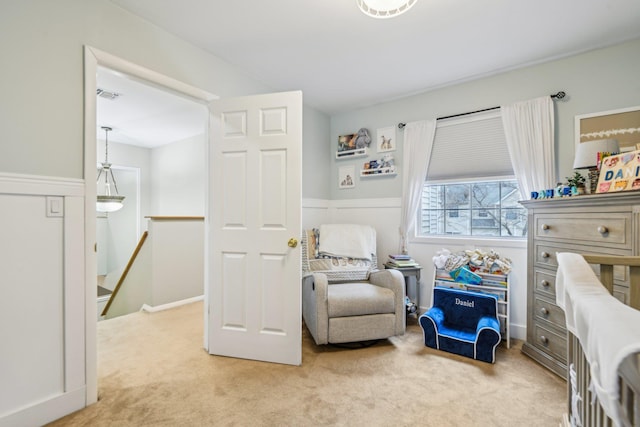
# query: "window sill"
495,242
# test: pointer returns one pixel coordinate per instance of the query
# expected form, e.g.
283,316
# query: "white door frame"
92,59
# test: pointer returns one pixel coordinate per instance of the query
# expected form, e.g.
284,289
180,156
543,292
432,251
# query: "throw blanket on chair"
347,240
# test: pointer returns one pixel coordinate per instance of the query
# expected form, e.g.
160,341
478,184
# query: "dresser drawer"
545,283
547,311
545,256
550,342
611,229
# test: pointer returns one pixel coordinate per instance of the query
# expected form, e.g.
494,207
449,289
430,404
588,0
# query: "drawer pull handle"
544,283
544,340
545,227
603,230
544,311
544,254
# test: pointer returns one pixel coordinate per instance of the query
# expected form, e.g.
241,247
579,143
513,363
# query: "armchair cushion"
462,322
357,299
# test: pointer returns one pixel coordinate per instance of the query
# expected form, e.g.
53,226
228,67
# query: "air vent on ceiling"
106,94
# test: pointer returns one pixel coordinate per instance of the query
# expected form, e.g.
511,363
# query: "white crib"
584,408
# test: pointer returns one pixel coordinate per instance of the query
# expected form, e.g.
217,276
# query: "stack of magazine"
400,261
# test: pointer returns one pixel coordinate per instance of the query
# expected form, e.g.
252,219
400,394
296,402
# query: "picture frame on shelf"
346,177
347,142
386,139
621,124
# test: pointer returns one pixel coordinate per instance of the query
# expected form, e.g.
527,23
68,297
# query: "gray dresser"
605,224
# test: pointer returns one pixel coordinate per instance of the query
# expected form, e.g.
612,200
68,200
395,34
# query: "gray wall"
315,162
599,80
41,113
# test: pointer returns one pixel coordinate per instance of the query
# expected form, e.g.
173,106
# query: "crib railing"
581,411
583,408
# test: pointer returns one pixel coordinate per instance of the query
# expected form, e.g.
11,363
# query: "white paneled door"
253,224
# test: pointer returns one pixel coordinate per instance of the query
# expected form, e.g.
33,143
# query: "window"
462,195
482,208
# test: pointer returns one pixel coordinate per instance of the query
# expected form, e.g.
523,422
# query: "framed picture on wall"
346,177
386,139
622,124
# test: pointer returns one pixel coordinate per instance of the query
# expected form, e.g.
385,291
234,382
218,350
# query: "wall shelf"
378,172
352,154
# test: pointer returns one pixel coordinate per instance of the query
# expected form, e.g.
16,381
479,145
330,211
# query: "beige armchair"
347,299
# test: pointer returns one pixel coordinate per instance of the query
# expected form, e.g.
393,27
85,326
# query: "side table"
408,273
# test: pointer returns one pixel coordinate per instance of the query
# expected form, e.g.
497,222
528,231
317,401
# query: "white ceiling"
342,59
144,115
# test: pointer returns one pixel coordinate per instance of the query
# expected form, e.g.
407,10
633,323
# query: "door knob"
292,242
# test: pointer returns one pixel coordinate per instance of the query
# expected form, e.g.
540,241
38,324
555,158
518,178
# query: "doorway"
94,59
156,148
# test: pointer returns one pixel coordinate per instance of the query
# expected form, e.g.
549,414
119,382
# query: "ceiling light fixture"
385,8
108,202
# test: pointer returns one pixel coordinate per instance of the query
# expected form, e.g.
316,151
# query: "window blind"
470,147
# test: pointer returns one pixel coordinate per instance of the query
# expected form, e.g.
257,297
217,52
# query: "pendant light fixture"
107,202
385,8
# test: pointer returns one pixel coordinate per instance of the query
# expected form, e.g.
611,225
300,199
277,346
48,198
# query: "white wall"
177,260
42,356
178,177
31,315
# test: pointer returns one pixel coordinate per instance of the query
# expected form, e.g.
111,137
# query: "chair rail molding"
40,185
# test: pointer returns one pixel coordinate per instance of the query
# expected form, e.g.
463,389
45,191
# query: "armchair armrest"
488,322
487,339
436,314
393,280
315,309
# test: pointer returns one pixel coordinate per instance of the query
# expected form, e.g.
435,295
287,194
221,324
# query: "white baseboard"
153,309
46,411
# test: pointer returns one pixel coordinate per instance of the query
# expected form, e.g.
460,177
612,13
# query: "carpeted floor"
152,371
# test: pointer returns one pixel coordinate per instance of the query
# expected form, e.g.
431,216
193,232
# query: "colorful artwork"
620,172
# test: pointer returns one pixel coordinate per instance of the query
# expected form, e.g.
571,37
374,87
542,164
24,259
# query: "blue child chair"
462,322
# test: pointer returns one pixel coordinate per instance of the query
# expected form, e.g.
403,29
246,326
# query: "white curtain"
418,142
529,130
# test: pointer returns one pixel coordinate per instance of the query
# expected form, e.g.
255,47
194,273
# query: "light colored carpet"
154,372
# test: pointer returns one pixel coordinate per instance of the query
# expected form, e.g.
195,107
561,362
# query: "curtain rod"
558,95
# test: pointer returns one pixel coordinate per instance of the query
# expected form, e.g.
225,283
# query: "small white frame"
386,139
